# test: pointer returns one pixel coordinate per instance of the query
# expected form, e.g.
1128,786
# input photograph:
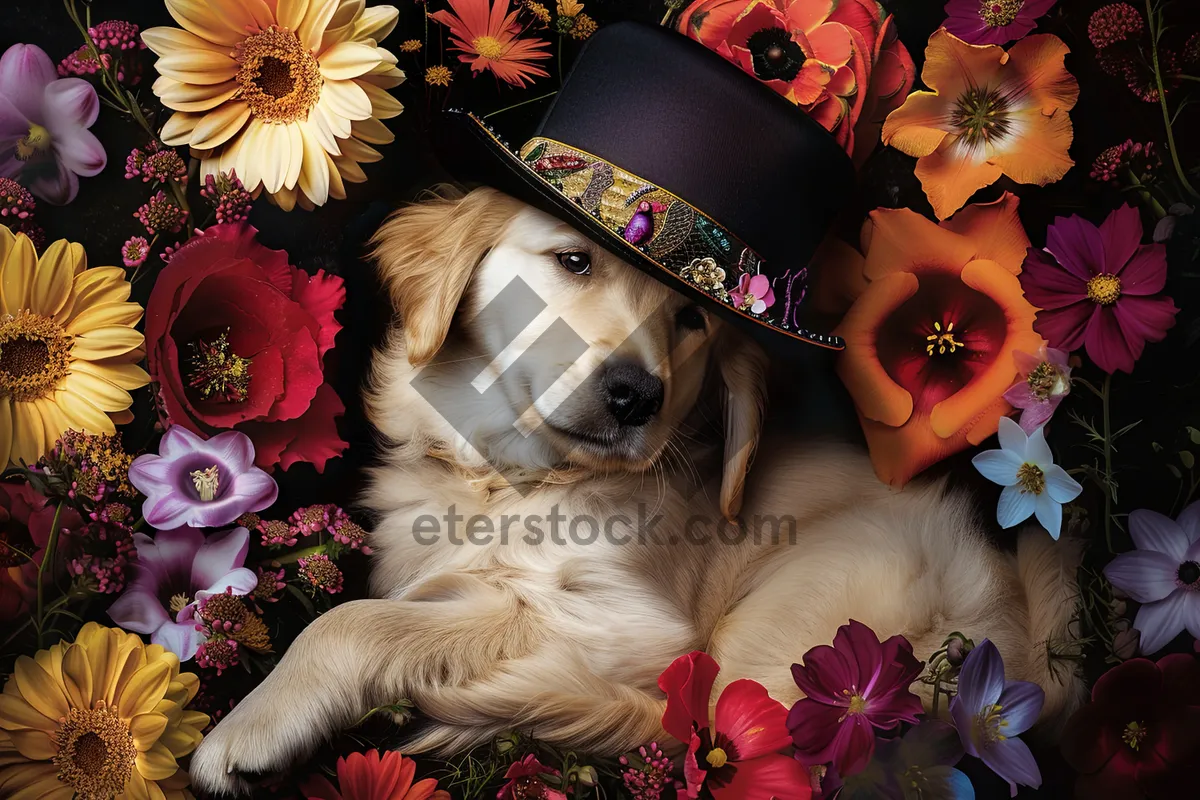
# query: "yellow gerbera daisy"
289,93
68,348
103,716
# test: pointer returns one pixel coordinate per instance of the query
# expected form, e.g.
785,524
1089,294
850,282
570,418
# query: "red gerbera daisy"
489,38
369,776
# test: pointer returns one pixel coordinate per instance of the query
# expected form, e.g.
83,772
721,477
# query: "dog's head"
543,349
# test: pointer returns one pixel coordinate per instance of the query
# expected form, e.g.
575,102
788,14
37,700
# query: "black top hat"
687,167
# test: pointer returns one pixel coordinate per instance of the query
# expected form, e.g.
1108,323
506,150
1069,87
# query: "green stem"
47,559
522,103
1108,470
293,557
1143,192
1181,77
1155,32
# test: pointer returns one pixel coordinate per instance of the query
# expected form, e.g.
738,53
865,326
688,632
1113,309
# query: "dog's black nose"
633,394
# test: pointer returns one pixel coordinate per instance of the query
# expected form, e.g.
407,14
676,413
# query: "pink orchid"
44,121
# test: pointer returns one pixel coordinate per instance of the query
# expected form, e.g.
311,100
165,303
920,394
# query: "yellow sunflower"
101,717
68,348
289,93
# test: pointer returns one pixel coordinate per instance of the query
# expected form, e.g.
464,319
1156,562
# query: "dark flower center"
15,543
1189,573
528,787
997,13
981,115
774,55
1133,734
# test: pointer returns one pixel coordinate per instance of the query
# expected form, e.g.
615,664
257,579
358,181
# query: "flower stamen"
489,47
941,340
207,482
34,144
217,372
1031,478
716,758
981,116
95,752
998,13
1104,289
988,723
1046,381
1133,734
279,79
35,356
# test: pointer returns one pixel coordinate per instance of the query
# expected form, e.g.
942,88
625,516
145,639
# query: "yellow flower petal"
29,434
16,713
316,20
193,97
126,376
156,763
145,729
164,41
106,342
16,275
314,172
34,745
101,285
84,416
218,126
275,147
345,99
104,315
45,786
371,131
376,23
181,740
348,60
77,677
143,690
54,422
290,13
97,391
6,428
53,278
178,129
205,19
204,67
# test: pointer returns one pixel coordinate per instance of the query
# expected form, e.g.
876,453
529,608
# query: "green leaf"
1193,434
1187,459
535,153
1174,470
1125,430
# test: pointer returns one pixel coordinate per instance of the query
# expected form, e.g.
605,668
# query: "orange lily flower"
990,113
932,331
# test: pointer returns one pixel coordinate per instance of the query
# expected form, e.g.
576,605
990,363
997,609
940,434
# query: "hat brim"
474,153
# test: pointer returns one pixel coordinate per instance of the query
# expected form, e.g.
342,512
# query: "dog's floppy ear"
743,369
426,254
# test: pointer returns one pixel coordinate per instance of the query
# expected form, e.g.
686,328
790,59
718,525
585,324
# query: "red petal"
311,438
688,683
754,723
774,777
321,295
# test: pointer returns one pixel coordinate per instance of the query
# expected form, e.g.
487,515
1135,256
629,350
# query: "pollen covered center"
279,78
489,47
941,340
95,752
1031,478
35,356
981,116
1104,289
997,13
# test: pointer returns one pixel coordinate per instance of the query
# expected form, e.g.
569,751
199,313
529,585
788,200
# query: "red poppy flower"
840,61
1140,735
369,776
852,688
1099,288
936,319
236,337
737,757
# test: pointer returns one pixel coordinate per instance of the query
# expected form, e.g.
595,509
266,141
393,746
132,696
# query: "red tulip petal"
688,684
753,722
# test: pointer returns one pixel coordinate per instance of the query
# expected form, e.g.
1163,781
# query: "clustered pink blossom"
270,584
82,62
311,519
276,533
648,779
104,549
156,164
114,38
15,200
210,613
229,198
159,214
134,251
1135,156
321,573
1117,22
116,34
346,531
218,653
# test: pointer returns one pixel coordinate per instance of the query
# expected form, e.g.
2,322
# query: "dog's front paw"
240,749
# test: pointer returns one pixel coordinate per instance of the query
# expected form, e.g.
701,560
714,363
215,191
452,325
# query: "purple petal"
1077,245
222,553
1019,395
1020,703
57,187
1145,575
824,674
179,441
234,448
181,638
138,611
1047,284
1122,233
1037,414
982,678
25,71
964,721
166,507
149,472
1189,522
170,552
81,152
70,104
1011,760
256,489
241,581
1153,531
1161,622
1144,319
1065,327
1106,342
13,124
1146,272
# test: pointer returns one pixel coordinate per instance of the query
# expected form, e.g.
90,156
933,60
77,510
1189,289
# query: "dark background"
1164,391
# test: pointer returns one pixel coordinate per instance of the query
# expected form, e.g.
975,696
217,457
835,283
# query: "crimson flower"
1100,288
993,21
857,685
370,776
737,756
236,336
525,781
1140,735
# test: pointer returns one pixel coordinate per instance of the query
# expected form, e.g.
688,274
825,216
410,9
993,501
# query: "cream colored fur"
567,641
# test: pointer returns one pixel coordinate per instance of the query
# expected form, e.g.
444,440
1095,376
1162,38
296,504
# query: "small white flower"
1033,483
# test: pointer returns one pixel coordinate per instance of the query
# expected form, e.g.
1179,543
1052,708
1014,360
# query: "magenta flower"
174,571
993,21
753,293
1163,574
991,712
525,779
134,251
852,688
1099,287
1045,381
205,483
44,121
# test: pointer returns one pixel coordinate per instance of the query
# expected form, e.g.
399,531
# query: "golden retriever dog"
549,538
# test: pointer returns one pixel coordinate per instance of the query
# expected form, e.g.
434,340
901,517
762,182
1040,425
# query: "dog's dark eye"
693,318
575,261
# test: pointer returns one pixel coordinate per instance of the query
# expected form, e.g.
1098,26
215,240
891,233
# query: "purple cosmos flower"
1046,380
175,570
1163,574
991,712
993,21
206,483
857,685
753,293
44,121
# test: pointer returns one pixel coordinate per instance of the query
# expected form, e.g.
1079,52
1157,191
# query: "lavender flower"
1163,574
991,712
206,483
44,121
176,570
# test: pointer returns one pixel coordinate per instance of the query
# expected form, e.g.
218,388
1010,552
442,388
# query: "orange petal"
995,230
831,43
898,454
1038,60
961,410
919,126
839,277
876,395
1040,154
899,240
808,15
952,173
952,65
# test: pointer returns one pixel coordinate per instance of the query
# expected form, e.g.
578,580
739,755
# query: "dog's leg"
359,656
